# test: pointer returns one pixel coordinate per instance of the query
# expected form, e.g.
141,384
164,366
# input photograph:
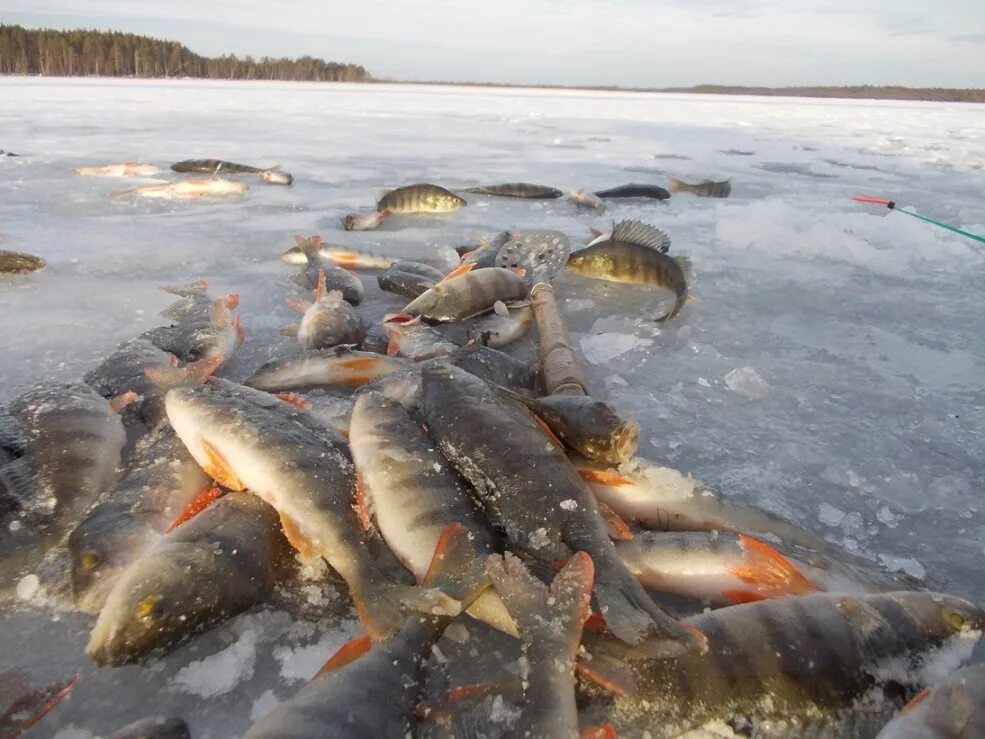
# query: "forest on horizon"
81,53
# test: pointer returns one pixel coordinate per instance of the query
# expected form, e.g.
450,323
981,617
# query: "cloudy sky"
596,42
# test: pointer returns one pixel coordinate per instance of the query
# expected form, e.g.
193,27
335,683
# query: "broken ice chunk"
745,381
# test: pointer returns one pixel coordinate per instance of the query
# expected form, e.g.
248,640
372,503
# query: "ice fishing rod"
892,206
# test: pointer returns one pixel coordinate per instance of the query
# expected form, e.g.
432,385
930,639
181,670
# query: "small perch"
562,370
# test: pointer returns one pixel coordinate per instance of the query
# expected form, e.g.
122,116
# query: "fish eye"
955,619
147,608
90,560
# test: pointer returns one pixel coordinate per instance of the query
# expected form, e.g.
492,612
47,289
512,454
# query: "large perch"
559,362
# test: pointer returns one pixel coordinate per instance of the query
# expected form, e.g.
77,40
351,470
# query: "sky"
630,43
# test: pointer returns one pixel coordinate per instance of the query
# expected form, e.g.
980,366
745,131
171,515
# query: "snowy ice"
867,323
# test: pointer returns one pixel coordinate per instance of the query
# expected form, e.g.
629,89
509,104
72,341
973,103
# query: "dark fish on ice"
202,328
705,189
17,263
137,365
533,493
223,561
635,253
327,321
413,494
157,727
817,665
591,427
307,252
341,366
518,190
75,442
370,689
550,622
161,481
467,295
484,255
306,474
273,175
409,279
419,198
635,191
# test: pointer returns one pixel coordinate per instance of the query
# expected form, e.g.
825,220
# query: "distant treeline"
866,92
862,92
113,54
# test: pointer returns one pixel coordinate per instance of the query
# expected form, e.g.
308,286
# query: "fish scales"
304,471
798,662
521,478
219,563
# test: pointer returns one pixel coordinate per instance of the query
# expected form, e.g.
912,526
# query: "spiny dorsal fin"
643,234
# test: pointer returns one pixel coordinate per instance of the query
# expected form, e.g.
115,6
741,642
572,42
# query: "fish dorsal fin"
643,234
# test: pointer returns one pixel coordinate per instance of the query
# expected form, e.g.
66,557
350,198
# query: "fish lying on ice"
17,263
161,480
306,474
409,279
338,366
506,324
411,338
223,561
156,727
817,665
635,253
364,221
126,169
370,689
533,493
272,175
470,294
419,198
307,252
541,254
586,199
187,190
327,321
518,190
705,189
654,192
203,328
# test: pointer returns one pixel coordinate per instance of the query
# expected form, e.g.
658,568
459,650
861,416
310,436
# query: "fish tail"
195,373
541,613
678,306
455,567
634,618
383,606
199,287
768,572
30,706
676,185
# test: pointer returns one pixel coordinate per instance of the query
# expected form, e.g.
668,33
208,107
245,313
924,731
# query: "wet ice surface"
864,329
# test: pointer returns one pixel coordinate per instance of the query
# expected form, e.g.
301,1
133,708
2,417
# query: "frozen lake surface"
866,422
